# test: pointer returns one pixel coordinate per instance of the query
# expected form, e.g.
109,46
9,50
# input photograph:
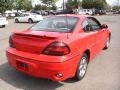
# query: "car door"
20,17
100,35
25,18
90,36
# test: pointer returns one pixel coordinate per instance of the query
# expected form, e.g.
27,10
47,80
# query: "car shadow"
19,80
71,80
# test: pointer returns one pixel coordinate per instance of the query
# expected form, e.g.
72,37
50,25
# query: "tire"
16,20
107,43
82,67
3,26
30,20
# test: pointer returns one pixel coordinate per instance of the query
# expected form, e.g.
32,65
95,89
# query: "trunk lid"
35,41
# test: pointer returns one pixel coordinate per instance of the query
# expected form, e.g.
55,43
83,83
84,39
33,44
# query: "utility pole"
79,5
63,5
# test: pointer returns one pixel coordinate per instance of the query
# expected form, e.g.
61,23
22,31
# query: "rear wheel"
82,67
16,20
3,25
30,20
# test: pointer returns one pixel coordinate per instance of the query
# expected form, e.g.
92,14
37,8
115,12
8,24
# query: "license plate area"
22,65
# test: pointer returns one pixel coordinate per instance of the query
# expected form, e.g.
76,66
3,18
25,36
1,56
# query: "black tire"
30,20
16,20
82,67
107,43
3,26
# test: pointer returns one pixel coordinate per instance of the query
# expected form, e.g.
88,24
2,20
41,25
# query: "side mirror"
104,26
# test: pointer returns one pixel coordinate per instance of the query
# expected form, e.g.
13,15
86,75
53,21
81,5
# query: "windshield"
56,24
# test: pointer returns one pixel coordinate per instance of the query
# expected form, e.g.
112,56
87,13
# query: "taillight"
57,49
11,42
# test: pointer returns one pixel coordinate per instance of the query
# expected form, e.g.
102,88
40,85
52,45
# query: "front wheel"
107,44
30,20
82,67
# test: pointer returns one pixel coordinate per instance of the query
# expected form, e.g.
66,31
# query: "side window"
86,26
95,25
22,15
26,15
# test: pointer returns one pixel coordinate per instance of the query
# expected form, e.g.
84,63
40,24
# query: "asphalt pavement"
103,71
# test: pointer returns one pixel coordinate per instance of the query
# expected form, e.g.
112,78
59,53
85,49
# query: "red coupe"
59,47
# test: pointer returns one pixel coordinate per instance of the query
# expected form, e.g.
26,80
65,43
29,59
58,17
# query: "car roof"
30,13
26,13
75,15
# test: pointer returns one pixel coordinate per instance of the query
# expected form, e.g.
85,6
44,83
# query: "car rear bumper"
3,23
56,71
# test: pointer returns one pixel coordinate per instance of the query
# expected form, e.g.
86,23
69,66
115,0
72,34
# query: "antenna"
66,18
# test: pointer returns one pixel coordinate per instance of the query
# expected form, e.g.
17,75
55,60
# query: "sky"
111,2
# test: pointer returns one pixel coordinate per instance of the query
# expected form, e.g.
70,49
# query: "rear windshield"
56,24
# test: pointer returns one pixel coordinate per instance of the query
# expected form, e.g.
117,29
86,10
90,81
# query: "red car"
59,47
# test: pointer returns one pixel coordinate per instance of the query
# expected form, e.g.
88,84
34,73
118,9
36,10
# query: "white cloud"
59,3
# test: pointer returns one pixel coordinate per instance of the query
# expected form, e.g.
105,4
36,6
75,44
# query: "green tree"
6,5
72,4
22,4
116,7
28,5
44,7
98,4
104,1
54,7
40,7
49,3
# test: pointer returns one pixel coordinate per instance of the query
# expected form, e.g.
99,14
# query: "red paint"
26,52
